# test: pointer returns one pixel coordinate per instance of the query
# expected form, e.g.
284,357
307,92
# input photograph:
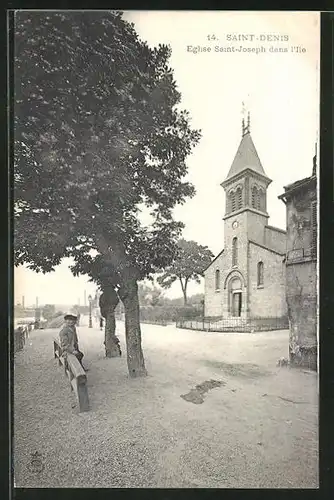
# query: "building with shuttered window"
247,278
300,199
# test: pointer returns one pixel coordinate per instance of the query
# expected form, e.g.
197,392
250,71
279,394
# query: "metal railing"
235,324
300,254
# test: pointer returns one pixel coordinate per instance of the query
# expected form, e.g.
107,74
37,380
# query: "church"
247,278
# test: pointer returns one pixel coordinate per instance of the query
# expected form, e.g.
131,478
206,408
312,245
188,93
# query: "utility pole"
203,313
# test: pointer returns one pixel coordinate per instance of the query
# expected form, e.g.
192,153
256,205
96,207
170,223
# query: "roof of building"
273,228
254,243
246,158
266,247
296,186
213,260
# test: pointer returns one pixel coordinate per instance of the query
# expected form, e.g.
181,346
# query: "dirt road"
249,424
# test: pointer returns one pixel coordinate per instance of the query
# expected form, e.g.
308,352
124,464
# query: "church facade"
247,278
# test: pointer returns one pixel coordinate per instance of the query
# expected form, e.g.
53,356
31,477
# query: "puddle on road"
248,370
196,395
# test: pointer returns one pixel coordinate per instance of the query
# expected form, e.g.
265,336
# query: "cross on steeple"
245,126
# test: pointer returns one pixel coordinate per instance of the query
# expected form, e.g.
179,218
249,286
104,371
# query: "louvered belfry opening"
239,198
233,201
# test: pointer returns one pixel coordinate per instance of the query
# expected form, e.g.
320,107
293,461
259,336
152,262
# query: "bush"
57,314
168,314
48,311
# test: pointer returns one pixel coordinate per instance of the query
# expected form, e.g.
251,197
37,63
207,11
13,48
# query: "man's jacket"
68,339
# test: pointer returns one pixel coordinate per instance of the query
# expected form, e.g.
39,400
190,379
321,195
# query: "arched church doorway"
235,297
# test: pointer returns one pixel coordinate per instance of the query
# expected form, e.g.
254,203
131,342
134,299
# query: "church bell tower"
246,190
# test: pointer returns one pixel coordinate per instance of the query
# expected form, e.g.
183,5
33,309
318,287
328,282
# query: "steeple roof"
246,158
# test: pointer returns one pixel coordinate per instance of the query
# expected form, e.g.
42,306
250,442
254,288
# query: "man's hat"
70,316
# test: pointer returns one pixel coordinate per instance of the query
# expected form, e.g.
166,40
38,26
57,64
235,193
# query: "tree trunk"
111,342
135,357
108,303
184,291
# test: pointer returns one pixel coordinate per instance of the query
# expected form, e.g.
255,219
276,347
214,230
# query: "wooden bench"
75,373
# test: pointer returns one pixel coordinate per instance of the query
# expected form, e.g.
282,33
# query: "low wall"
249,325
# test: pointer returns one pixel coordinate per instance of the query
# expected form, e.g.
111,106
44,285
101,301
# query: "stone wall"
256,226
299,228
275,239
301,277
268,300
302,305
213,298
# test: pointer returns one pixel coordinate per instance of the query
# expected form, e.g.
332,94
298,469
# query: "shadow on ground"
248,370
196,395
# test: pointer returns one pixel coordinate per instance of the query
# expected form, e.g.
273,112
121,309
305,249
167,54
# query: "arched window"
254,196
262,200
234,251
258,200
229,201
239,198
217,280
233,201
260,270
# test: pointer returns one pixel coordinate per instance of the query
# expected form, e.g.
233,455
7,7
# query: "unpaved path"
254,425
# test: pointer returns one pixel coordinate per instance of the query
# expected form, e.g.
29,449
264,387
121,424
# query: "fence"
160,322
75,374
249,325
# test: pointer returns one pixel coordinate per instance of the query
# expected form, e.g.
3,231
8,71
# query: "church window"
229,201
254,197
314,228
260,271
239,198
263,201
217,280
234,251
233,201
260,199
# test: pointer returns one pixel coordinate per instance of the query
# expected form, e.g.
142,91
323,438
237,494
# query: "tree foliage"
99,134
150,295
190,261
48,311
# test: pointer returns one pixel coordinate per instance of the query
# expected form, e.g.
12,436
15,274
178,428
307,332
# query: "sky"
279,89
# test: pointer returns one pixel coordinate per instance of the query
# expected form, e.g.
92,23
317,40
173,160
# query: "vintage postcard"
165,239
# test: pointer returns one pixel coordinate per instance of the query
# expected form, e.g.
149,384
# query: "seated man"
69,339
